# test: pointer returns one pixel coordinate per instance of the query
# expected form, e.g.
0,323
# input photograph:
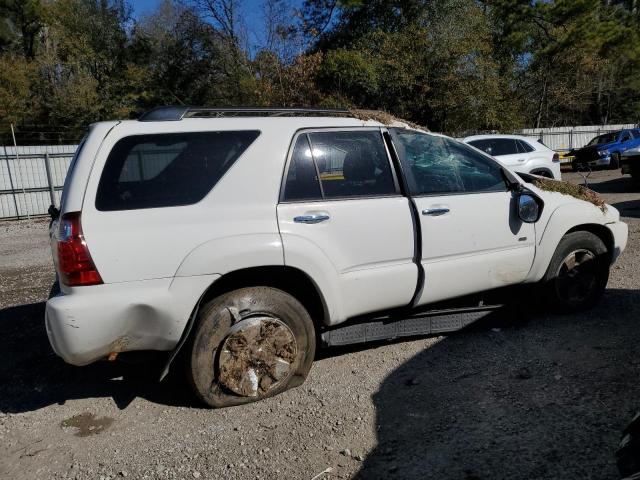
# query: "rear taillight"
556,158
76,268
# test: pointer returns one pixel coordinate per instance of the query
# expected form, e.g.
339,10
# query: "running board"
388,328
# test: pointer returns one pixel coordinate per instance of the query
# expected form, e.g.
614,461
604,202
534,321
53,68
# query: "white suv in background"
521,154
242,238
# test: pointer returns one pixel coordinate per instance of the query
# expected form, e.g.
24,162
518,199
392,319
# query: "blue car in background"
606,149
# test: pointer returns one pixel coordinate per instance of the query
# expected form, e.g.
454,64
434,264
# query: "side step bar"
388,328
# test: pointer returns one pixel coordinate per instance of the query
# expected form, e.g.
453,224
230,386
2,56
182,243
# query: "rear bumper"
620,232
89,323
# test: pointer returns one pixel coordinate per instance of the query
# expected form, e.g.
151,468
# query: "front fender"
550,230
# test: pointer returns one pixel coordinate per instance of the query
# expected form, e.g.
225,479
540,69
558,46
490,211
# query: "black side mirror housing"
530,206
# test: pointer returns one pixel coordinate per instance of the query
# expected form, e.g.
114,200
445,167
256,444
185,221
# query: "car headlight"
603,153
631,151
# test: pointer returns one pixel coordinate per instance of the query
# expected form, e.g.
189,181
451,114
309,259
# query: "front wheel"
578,272
250,344
614,162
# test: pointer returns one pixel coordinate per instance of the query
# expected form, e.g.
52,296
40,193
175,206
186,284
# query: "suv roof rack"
174,113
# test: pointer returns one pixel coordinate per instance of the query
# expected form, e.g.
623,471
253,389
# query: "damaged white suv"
245,237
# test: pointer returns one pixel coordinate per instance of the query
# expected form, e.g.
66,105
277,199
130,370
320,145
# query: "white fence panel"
566,138
24,184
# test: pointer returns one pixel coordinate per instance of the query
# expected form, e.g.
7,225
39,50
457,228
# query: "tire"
574,166
579,288
614,163
250,344
628,453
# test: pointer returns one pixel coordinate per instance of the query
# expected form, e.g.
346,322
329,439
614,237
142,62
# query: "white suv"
244,237
521,154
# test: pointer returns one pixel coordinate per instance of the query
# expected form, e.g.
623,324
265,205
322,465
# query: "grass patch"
577,191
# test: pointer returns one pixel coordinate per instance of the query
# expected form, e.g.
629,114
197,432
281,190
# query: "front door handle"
435,212
313,218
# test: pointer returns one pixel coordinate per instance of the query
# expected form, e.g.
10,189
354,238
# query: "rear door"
472,239
341,201
506,150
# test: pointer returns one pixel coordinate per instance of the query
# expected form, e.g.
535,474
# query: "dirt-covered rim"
257,356
576,277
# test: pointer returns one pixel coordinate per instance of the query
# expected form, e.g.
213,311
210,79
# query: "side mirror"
529,207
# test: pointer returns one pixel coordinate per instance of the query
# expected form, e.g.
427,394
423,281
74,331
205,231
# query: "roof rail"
174,113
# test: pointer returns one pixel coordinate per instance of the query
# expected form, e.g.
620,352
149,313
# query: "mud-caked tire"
249,344
578,273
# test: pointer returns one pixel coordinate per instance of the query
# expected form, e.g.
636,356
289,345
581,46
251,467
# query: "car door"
504,149
509,152
471,237
341,202
626,140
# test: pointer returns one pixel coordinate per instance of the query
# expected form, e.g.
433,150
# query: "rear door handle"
435,212
313,218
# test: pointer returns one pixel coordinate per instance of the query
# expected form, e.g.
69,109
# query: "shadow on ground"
545,398
33,377
629,209
615,185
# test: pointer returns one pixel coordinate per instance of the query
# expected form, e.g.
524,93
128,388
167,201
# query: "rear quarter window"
524,147
166,170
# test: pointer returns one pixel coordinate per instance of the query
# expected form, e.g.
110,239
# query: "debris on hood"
577,191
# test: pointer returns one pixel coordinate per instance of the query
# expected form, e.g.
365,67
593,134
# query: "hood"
553,200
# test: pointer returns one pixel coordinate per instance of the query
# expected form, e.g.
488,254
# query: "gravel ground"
540,396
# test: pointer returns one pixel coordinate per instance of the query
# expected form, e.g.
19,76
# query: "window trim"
447,194
307,131
526,144
182,205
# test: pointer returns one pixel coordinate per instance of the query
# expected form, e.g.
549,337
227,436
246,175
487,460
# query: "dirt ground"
539,397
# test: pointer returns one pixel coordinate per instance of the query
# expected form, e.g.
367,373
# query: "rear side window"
167,170
302,179
496,146
339,164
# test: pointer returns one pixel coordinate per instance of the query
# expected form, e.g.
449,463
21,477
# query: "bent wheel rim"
257,356
576,277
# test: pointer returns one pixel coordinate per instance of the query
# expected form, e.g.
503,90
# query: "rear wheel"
250,344
578,272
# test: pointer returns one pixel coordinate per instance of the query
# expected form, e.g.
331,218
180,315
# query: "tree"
23,20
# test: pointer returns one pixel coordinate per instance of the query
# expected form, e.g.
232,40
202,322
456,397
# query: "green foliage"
452,65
